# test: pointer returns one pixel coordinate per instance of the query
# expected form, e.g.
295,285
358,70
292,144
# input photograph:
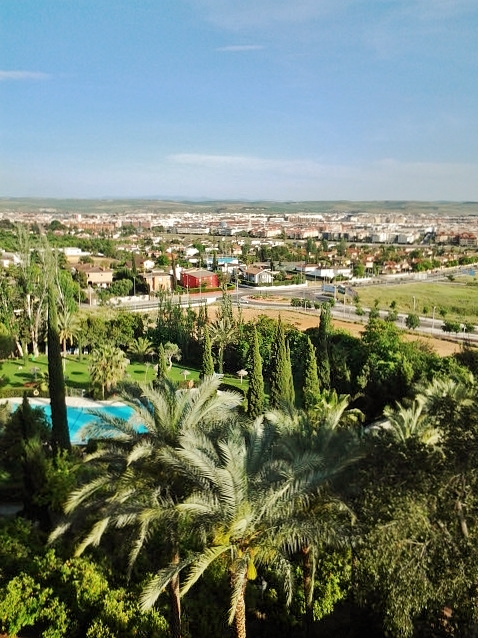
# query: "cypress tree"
162,368
59,419
255,393
290,396
323,364
207,363
311,379
279,372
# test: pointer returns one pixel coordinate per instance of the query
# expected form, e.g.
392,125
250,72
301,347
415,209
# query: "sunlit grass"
456,298
20,375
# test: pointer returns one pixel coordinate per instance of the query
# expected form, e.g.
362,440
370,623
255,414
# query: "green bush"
25,602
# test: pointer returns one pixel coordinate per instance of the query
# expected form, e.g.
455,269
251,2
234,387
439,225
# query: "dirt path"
302,321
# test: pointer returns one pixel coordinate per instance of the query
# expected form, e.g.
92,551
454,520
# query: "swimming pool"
79,415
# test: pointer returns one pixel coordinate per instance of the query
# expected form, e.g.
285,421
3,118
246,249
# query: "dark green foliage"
207,363
46,596
162,367
290,395
224,332
390,366
311,386
60,433
7,344
412,321
35,475
22,441
451,326
323,363
255,393
178,325
280,371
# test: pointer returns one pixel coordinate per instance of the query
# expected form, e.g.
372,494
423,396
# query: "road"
344,312
347,312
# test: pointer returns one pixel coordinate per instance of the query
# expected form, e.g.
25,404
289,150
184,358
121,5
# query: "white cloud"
235,15
23,75
241,47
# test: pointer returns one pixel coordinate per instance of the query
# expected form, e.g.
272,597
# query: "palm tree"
142,347
107,366
133,486
321,442
222,333
333,411
405,422
68,325
444,396
250,507
241,508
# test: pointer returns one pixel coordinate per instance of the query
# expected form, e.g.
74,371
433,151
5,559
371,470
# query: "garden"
18,376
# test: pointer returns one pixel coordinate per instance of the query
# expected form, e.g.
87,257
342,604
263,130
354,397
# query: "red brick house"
195,278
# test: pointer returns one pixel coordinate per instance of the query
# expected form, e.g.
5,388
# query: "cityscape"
239,319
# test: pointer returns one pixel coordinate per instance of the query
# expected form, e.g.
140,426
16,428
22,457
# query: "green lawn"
18,376
459,300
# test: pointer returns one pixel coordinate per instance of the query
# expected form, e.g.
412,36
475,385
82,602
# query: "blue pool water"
79,417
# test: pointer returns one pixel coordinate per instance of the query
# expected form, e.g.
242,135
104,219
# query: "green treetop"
311,379
162,368
207,364
280,371
255,393
323,363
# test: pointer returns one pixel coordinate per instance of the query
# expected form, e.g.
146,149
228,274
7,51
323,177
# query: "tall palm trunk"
220,359
239,624
175,600
308,583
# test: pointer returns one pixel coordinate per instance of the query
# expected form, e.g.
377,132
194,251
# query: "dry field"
302,321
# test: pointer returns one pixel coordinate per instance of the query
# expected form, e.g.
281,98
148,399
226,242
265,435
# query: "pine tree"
59,419
323,364
280,373
162,368
311,379
207,363
255,393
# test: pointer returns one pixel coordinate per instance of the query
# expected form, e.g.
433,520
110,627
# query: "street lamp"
433,318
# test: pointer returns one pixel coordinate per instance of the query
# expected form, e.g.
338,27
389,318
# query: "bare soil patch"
303,320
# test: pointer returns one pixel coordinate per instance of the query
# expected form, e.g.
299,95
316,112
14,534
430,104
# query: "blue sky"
239,99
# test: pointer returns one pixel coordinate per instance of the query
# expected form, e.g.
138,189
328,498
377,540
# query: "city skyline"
311,100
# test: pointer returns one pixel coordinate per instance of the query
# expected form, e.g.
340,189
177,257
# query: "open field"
303,320
459,299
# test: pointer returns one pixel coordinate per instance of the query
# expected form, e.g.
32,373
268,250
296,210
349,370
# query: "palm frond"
78,497
159,582
58,532
201,563
94,537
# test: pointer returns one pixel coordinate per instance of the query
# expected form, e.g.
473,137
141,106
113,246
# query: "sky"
239,99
